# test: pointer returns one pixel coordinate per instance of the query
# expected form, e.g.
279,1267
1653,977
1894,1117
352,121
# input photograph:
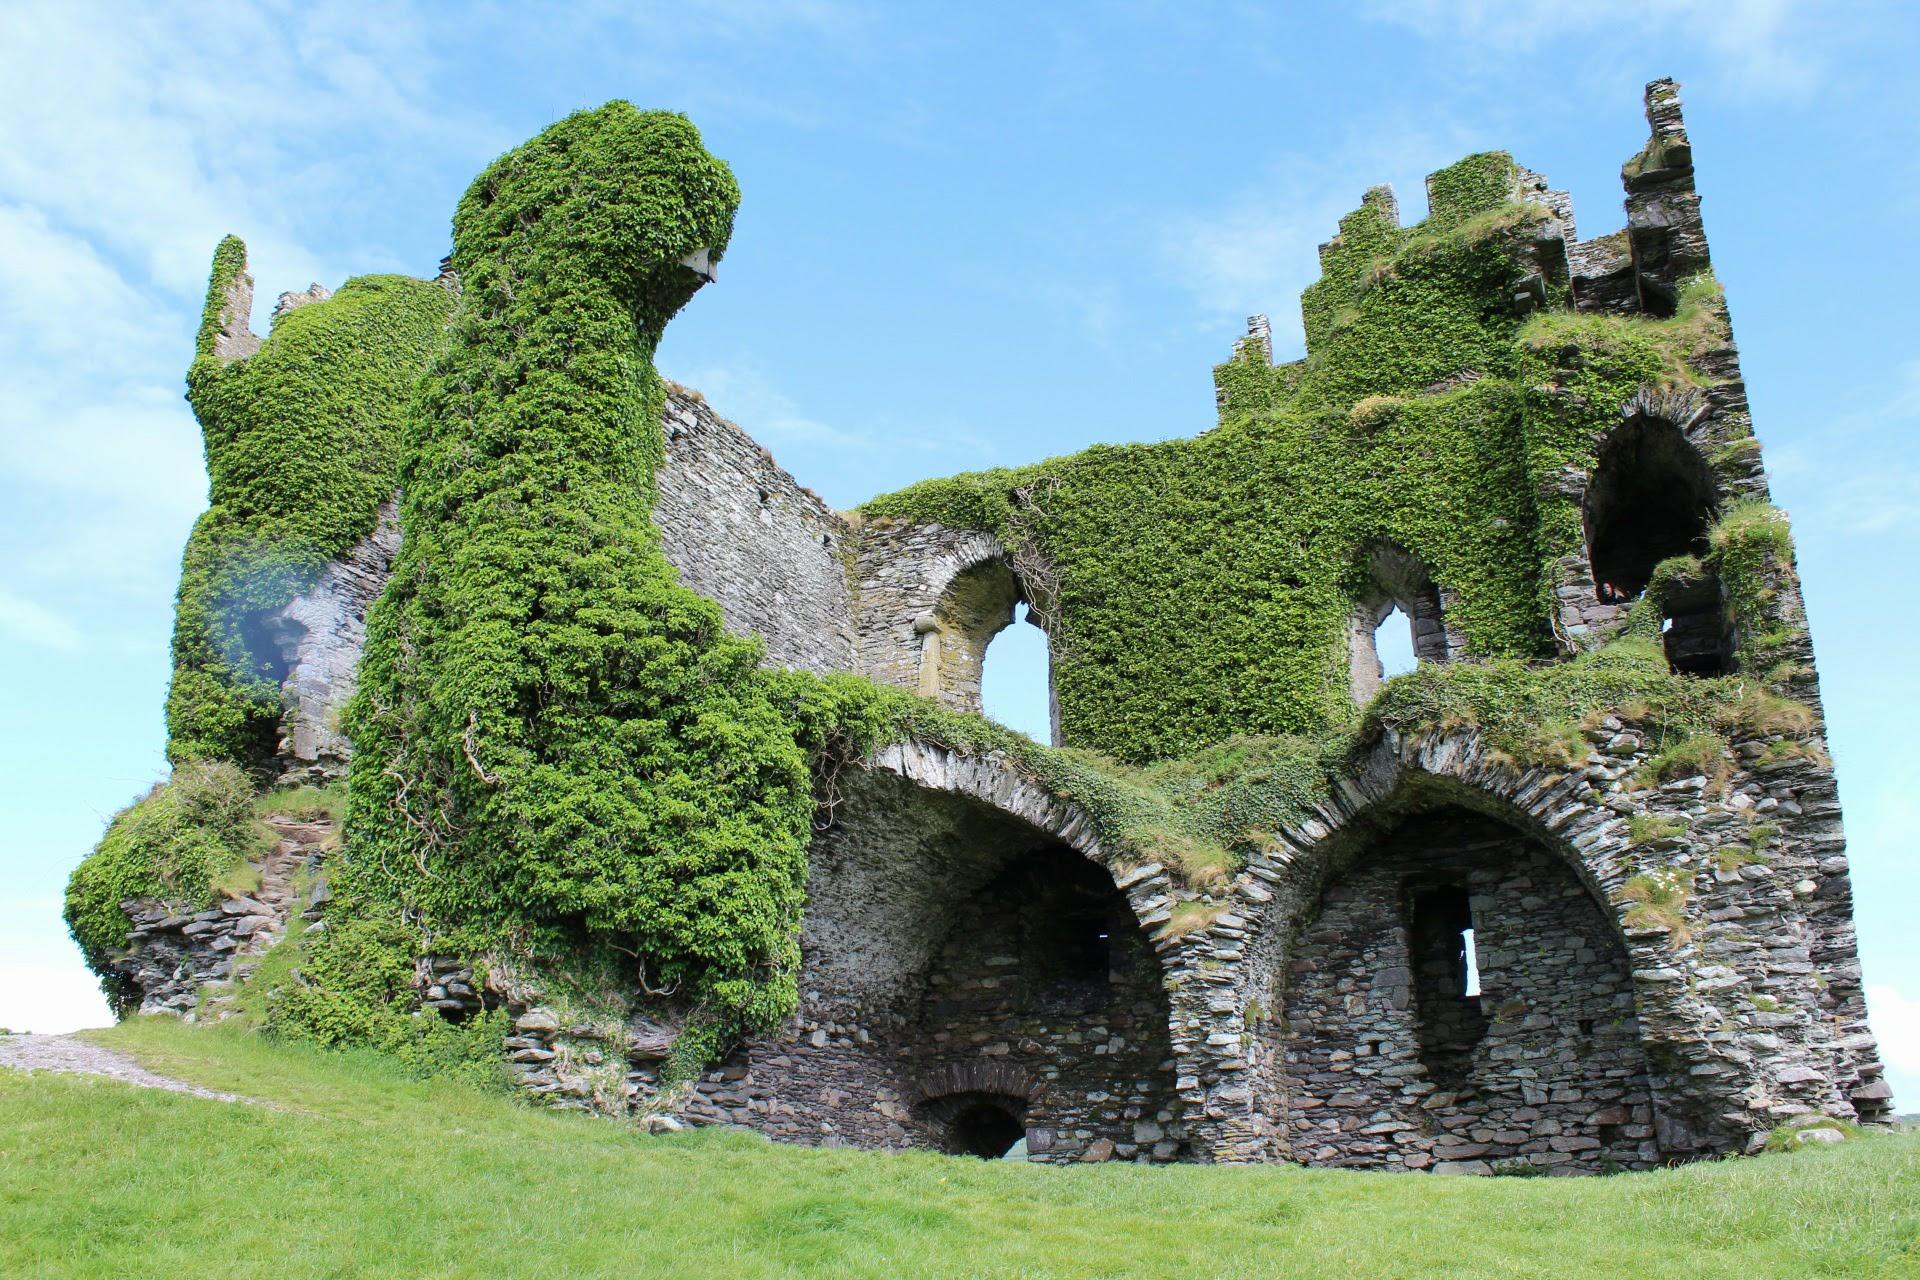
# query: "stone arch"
976,591
965,935
1690,1071
1651,495
1394,578
950,1101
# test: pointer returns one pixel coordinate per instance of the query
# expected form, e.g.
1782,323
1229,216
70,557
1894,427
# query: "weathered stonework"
321,633
1664,971
745,535
184,961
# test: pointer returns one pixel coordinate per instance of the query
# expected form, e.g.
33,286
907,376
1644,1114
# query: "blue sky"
970,236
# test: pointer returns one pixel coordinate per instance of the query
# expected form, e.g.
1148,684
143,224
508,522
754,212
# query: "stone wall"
321,633
1391,1064
745,535
923,980
930,601
1046,969
184,958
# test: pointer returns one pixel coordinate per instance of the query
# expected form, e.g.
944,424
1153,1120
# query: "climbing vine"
300,442
1206,585
557,746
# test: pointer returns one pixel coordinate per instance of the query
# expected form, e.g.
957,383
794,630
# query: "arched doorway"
1461,1001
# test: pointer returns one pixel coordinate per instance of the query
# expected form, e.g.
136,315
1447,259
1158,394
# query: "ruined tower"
1572,895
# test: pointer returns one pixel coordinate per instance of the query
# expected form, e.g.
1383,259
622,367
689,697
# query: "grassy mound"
361,1171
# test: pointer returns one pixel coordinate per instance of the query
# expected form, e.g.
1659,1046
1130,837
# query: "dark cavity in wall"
1439,916
1045,969
1652,498
987,1125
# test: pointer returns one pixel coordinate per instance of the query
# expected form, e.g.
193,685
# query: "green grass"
366,1172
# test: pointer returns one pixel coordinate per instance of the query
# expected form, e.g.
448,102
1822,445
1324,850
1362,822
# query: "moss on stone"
173,843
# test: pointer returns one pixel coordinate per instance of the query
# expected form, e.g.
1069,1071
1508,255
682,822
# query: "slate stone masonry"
1666,971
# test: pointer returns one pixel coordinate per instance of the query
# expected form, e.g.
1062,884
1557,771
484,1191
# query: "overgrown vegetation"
174,842
561,754
301,443
1658,900
558,748
1206,585
365,1172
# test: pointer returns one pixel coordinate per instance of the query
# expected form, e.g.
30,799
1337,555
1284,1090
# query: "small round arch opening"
988,1126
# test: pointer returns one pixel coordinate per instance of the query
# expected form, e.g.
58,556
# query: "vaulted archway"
965,943
1397,1060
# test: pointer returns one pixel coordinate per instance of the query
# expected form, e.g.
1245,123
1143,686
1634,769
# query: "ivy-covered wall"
301,443
557,747
1205,586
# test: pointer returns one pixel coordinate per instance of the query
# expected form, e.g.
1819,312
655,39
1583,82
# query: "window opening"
1014,678
1393,644
1651,498
1446,980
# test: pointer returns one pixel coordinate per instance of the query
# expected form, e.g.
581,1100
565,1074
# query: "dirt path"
72,1054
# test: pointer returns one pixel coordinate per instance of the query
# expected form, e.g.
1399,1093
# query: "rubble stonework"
185,961
1665,969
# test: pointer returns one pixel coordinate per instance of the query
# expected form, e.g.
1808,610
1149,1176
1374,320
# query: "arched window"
1393,644
1015,677
1651,498
1398,622
972,630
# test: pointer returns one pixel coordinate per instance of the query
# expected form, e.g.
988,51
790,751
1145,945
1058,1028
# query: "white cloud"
136,138
1758,44
1258,250
741,393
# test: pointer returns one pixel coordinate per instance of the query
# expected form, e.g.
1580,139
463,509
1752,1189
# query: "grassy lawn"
362,1172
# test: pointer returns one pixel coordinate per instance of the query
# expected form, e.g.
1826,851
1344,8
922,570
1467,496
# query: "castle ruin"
1464,947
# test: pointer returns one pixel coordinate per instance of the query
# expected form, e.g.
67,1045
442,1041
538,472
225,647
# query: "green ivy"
172,843
1206,585
557,746
562,755
300,444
